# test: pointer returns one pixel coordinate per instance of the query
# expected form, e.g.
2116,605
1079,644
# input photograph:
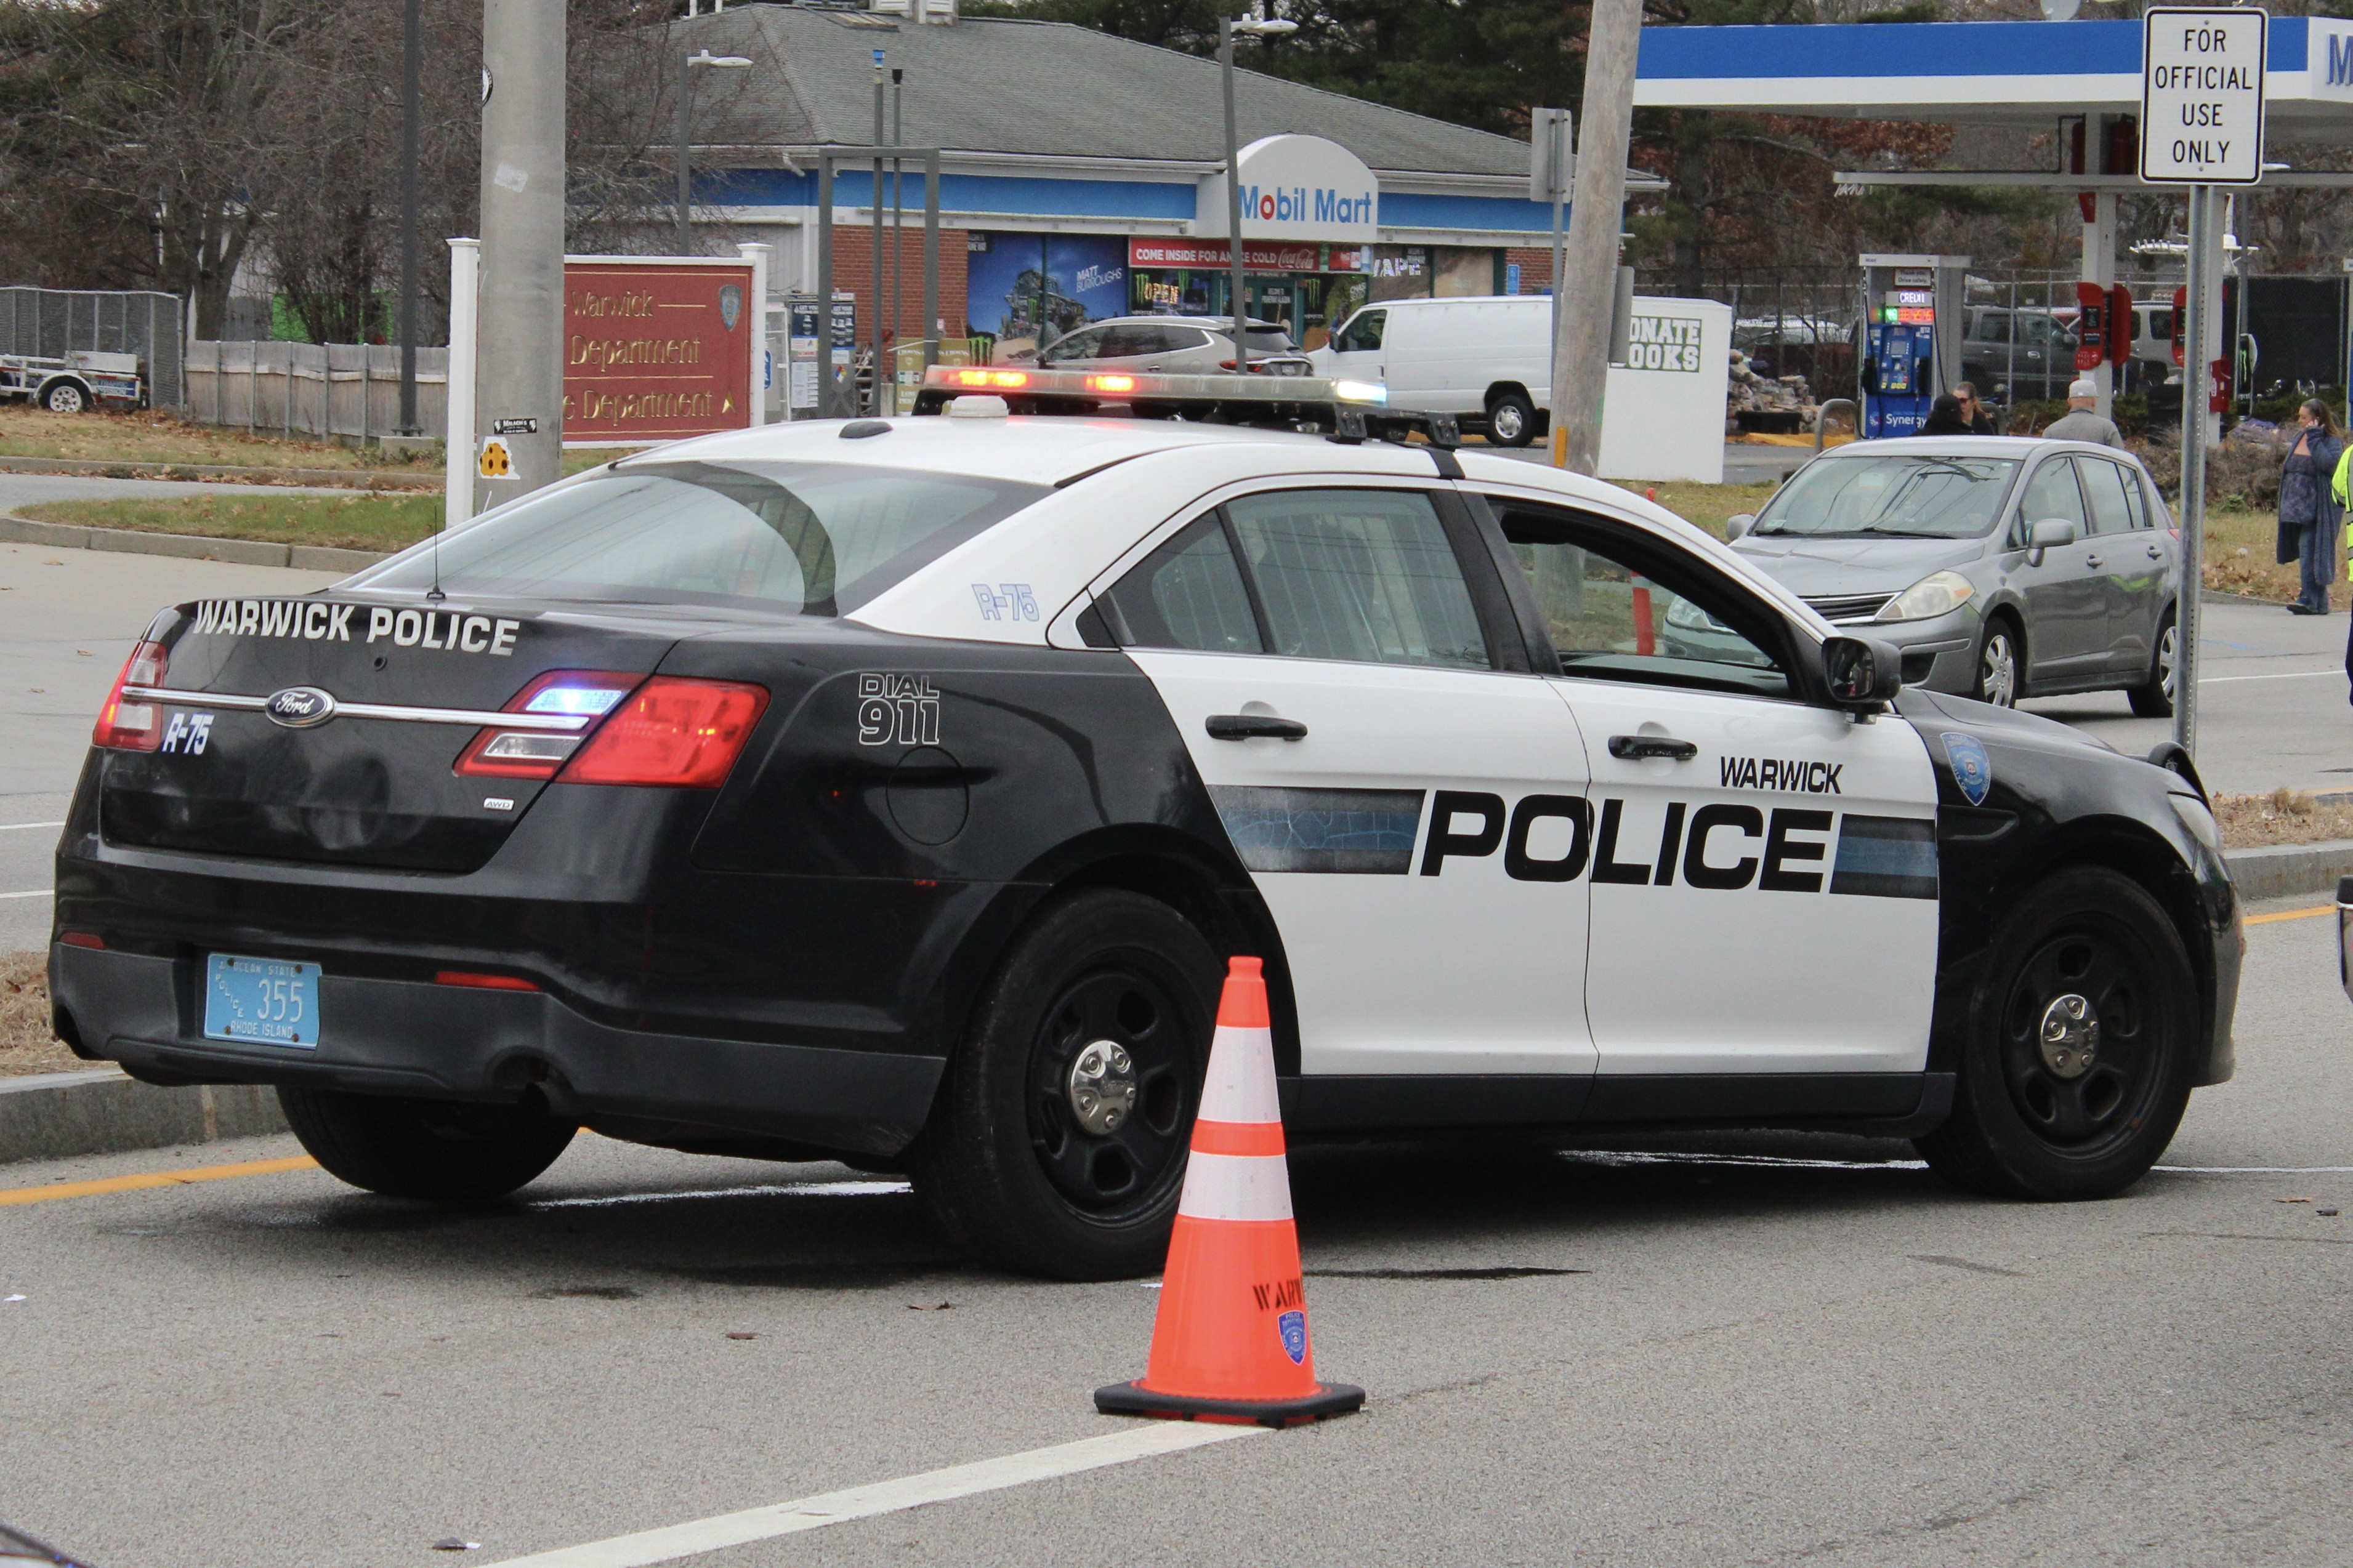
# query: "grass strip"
356,522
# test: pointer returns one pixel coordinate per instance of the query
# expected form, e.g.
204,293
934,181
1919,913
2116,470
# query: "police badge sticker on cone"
1231,1342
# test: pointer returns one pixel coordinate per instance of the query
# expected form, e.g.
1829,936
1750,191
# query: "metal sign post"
2201,118
1551,153
837,395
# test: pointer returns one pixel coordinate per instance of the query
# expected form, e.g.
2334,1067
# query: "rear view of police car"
893,791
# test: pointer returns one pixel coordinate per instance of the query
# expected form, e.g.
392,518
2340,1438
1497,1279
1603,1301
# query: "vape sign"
2202,96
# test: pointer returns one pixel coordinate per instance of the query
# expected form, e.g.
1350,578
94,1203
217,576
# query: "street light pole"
1226,28
411,110
686,64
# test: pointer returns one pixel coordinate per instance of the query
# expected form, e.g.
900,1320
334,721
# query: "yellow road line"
10,1195
2291,915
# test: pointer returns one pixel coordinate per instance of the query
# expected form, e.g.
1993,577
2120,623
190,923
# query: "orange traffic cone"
1231,1343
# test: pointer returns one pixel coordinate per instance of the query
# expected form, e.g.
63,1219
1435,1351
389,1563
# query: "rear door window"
1188,594
2111,504
1366,575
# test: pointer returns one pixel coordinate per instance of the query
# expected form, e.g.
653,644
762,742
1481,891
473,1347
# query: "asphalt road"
1727,1350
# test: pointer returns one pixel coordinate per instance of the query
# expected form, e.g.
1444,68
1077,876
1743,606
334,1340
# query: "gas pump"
1911,338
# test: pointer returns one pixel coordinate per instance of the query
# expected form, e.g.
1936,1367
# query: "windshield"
811,539
1918,496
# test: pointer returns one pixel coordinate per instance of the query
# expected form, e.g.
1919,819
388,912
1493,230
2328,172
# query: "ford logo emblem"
299,707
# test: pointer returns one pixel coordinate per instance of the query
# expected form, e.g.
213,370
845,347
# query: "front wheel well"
2144,859
1504,389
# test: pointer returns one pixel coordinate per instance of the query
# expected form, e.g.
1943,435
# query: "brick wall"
853,273
1534,265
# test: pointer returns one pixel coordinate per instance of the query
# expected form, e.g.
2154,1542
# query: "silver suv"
1186,345
2002,568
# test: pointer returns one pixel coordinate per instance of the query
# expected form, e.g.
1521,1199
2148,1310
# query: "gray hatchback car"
2002,568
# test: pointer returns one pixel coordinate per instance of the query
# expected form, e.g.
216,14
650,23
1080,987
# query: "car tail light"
672,732
537,753
993,380
129,726
483,982
89,939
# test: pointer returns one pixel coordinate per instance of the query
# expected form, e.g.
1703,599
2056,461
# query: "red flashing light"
673,732
484,982
133,726
1111,384
994,380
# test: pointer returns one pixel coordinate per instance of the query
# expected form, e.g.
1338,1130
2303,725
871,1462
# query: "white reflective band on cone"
1241,1085
1236,1186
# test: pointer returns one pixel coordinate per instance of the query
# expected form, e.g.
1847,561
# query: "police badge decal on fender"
1972,769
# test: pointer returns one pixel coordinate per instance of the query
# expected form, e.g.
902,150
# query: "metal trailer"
74,383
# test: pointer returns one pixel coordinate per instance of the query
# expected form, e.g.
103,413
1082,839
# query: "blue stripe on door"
1360,831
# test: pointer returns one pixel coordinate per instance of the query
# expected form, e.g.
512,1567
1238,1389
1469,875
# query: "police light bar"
1306,402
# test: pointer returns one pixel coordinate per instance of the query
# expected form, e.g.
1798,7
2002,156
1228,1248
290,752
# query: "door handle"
1255,727
2154,554
2091,561
1637,747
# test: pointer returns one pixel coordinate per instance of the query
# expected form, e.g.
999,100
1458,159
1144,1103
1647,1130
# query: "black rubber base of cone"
1134,1399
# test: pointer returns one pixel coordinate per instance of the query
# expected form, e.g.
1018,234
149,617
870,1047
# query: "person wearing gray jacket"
2079,423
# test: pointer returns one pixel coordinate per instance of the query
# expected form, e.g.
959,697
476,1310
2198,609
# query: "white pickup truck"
76,384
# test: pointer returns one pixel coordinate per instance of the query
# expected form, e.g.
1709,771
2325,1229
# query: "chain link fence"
49,323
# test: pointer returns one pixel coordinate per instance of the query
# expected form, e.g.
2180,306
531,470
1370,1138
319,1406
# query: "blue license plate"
267,1001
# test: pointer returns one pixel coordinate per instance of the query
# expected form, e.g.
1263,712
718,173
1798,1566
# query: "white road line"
778,1189
2283,675
725,1530
13,826
36,893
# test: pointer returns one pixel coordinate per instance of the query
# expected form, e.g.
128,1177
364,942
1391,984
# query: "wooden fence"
315,389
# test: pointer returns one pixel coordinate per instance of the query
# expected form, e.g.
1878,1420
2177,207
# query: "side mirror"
1862,673
1738,525
2049,534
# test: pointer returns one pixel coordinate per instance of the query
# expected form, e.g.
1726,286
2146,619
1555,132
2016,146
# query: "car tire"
1007,1164
2090,962
1510,419
66,397
432,1149
1999,674
2153,697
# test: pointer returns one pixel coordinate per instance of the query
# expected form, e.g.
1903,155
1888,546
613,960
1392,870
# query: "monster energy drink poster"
1027,289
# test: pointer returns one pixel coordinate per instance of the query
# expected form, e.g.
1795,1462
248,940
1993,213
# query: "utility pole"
411,110
521,324
1257,27
875,232
1587,291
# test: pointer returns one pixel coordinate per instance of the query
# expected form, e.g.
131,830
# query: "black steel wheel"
2076,1069
1058,1143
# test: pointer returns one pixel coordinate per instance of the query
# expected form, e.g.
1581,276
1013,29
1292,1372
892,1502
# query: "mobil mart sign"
1295,187
2202,96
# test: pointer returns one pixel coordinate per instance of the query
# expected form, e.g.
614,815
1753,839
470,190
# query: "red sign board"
657,350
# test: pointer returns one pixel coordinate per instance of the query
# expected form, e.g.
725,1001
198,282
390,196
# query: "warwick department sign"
656,350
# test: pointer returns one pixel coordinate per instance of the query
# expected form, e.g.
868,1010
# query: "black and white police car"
893,791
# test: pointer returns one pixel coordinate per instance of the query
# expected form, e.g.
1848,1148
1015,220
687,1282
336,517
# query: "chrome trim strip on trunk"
559,723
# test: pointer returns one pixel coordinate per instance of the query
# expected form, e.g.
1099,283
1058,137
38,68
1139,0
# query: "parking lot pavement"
67,620
2272,703
1736,1349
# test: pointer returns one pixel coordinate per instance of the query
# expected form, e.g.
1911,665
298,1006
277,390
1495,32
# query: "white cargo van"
1487,359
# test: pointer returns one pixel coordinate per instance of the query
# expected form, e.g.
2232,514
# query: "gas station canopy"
1972,73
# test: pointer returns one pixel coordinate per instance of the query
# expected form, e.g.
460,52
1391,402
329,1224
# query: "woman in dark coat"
1945,418
2309,518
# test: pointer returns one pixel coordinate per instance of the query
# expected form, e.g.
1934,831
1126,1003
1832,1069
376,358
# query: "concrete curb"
60,1115
2278,869
194,546
221,473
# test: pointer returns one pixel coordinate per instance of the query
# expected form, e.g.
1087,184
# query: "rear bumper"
423,1040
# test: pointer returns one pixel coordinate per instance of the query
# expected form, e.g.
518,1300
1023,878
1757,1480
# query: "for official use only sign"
2202,96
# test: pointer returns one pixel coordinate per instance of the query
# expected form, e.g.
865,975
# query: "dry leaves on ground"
2283,816
25,1044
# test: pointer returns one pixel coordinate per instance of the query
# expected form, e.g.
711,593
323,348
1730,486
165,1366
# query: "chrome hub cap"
1102,1088
2167,657
2000,674
2070,1037
1507,422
